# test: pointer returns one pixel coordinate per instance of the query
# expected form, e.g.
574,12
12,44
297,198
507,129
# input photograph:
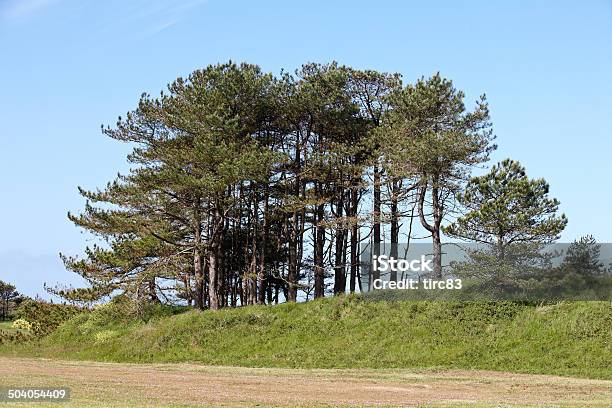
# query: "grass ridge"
567,338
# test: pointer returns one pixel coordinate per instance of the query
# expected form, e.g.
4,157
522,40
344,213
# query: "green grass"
7,326
571,338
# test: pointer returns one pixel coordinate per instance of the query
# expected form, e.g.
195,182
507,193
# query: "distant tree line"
248,188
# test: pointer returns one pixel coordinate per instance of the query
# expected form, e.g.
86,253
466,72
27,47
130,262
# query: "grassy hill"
571,338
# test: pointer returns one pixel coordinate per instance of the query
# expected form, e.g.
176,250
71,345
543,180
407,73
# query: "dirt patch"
104,384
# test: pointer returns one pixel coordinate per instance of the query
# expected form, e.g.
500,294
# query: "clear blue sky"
68,66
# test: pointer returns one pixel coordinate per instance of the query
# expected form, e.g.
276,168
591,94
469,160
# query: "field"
188,385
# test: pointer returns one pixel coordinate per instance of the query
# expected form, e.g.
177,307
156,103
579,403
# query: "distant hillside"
571,338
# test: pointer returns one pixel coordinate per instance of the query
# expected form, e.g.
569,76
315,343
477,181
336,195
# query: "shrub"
15,337
22,324
157,311
122,309
45,317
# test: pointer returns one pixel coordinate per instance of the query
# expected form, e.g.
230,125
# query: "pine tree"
583,257
435,140
8,295
505,207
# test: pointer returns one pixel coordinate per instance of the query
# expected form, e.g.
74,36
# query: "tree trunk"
152,287
354,238
213,264
434,228
319,268
292,274
376,216
197,258
294,227
340,253
261,276
250,278
394,229
437,244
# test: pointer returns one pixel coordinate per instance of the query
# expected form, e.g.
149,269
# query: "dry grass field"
95,384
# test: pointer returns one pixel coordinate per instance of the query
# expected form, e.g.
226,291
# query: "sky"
68,66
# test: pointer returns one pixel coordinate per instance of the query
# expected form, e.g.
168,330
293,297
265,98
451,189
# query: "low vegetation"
566,338
42,318
11,334
35,319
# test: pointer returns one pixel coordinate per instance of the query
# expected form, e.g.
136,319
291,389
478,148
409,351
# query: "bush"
157,311
45,317
14,337
22,324
122,309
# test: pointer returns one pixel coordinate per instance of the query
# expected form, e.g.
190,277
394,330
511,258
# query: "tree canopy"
506,207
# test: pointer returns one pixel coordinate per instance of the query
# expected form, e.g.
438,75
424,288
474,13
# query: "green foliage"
122,309
195,146
521,270
231,156
505,207
434,141
527,271
45,317
9,297
583,257
14,337
154,311
569,338
432,135
15,332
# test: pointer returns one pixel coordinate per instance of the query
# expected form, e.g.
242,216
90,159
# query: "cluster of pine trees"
250,188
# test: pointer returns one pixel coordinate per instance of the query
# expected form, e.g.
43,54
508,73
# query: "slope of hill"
570,338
